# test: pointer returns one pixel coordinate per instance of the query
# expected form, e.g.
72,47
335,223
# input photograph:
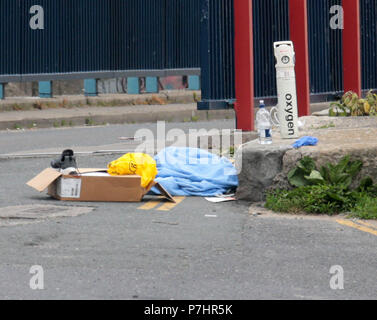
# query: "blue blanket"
194,172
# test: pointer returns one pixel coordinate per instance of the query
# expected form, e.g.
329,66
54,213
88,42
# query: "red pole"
352,46
244,64
298,17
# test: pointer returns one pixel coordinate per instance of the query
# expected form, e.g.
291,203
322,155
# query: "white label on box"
69,188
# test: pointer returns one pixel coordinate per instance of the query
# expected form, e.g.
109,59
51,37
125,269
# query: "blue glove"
305,141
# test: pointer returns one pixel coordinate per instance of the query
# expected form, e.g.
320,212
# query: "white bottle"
264,124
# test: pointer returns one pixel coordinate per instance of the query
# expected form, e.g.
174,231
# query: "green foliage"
313,199
340,174
296,176
343,173
365,207
326,191
352,105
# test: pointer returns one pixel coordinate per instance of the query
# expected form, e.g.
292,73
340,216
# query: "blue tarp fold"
194,172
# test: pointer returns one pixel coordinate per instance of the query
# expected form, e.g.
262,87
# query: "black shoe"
67,160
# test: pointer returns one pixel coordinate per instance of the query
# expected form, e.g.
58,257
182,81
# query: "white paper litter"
220,199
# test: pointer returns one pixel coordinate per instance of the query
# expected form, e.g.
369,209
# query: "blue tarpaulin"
194,172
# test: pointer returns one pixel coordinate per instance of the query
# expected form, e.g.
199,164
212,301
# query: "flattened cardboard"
166,194
44,179
94,188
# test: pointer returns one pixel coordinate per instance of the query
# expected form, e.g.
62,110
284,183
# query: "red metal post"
351,46
244,64
298,17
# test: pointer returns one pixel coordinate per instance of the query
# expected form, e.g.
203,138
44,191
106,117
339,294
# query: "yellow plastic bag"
135,163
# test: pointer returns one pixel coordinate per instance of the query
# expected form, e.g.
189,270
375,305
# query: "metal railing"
99,39
135,38
271,23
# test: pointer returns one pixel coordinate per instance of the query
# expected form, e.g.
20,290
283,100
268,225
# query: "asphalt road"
36,139
195,250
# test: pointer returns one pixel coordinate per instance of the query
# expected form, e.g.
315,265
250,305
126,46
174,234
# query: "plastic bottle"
264,124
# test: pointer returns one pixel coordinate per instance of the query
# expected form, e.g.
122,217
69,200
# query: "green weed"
326,190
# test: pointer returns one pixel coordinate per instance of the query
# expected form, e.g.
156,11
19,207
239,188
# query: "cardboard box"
93,185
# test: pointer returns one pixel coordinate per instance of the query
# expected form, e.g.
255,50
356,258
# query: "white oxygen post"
286,88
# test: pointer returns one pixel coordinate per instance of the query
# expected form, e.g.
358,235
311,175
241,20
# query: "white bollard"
287,111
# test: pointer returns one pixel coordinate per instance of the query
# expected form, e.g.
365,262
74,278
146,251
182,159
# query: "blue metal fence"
182,34
217,54
99,39
271,23
10,28
368,13
112,38
325,49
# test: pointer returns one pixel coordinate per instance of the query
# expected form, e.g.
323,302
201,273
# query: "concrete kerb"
106,100
68,111
266,167
63,111
36,103
90,116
